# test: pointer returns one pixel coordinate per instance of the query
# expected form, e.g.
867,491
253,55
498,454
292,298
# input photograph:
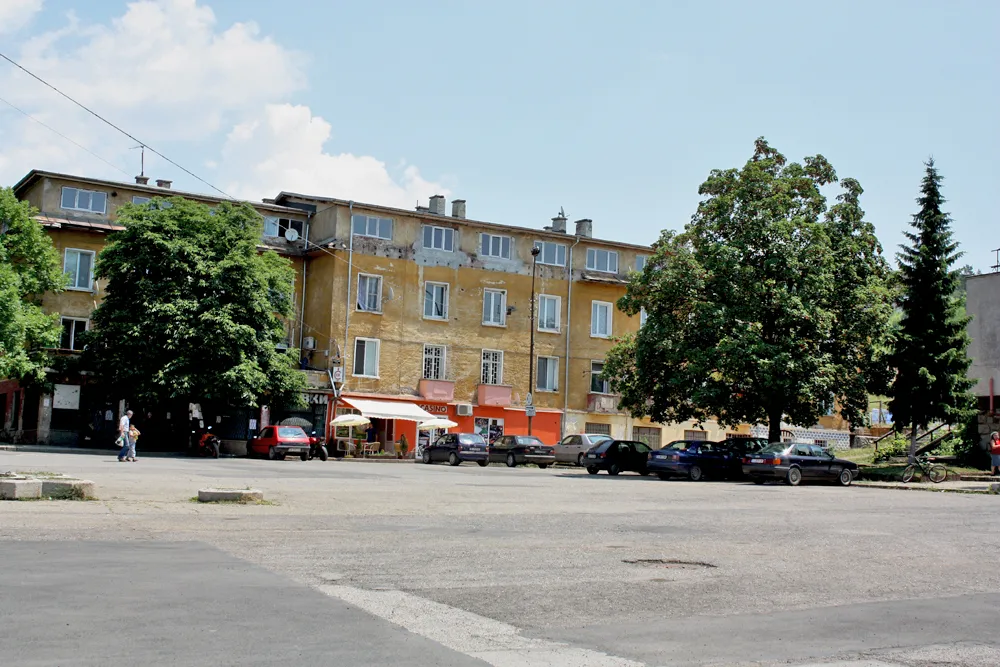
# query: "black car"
617,456
797,463
515,449
694,459
455,448
740,448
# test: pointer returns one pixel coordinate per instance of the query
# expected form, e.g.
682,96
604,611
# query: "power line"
57,132
110,124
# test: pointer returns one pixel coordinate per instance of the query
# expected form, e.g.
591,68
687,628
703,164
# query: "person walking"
995,452
133,437
128,449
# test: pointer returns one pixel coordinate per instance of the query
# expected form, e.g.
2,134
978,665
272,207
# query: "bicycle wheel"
938,473
909,472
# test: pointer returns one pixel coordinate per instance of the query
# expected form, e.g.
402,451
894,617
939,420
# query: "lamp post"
531,346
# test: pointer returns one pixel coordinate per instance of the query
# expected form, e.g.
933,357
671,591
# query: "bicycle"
935,472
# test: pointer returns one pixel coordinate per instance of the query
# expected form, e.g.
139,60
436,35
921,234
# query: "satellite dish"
291,235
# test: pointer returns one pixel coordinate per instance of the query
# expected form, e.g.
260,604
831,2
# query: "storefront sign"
433,409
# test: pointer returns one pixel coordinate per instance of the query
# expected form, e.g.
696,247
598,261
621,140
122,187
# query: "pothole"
668,562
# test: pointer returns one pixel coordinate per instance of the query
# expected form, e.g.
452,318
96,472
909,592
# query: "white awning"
388,409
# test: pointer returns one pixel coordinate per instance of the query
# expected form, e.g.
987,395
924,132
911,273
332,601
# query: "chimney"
559,224
142,180
585,228
162,183
437,205
458,208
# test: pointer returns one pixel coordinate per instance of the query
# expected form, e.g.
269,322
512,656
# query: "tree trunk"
774,425
913,444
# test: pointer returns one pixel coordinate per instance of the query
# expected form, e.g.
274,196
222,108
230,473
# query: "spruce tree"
930,353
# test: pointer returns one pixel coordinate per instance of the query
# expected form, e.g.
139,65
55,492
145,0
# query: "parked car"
740,448
277,442
694,459
796,463
515,449
617,456
455,448
573,448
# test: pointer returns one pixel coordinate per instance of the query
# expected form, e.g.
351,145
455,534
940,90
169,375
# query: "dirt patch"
668,563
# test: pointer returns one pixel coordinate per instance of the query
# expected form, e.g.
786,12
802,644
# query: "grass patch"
40,474
860,455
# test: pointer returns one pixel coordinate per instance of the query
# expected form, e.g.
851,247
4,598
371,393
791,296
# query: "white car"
572,448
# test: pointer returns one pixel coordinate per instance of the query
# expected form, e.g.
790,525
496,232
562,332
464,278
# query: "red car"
276,442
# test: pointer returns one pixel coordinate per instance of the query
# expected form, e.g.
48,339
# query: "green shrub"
969,449
898,445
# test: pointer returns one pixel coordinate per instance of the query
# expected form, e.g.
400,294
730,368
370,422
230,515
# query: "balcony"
602,403
494,394
436,390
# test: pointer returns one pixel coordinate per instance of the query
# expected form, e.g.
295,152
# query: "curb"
932,489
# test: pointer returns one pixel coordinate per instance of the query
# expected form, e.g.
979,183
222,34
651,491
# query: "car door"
710,458
806,461
563,449
825,464
640,456
498,449
439,448
265,440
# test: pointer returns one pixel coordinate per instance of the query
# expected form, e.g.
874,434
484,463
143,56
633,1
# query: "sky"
614,111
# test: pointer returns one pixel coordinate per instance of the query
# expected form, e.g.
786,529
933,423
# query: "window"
551,253
369,293
597,429
598,385
548,374
436,301
276,227
492,367
270,226
640,262
549,308
439,238
434,356
79,265
369,225
648,435
71,330
642,317
491,245
696,435
366,357
605,261
600,319
495,307
74,199
136,199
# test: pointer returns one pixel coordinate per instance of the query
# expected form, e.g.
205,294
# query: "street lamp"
531,347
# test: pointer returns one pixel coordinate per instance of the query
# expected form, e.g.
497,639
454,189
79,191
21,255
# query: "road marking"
493,642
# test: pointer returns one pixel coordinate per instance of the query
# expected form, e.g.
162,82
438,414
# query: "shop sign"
433,409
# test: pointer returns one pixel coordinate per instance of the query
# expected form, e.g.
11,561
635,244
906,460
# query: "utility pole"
530,407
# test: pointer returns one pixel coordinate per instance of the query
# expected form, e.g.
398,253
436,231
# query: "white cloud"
168,73
15,14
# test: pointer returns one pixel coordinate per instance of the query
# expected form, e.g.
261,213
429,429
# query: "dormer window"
91,201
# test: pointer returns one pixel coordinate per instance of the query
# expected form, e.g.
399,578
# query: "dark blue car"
456,448
694,459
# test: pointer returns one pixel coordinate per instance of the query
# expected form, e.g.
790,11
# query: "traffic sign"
528,400
529,411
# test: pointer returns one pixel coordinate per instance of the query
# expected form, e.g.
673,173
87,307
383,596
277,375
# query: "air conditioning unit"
309,343
463,409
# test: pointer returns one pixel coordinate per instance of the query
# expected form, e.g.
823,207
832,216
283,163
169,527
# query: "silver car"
572,448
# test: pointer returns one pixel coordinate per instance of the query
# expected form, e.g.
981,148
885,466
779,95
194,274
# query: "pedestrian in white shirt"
127,452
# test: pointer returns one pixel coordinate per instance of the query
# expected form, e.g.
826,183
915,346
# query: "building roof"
425,215
36,175
61,223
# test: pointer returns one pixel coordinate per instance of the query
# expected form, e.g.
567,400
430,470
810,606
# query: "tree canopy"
29,267
192,309
768,305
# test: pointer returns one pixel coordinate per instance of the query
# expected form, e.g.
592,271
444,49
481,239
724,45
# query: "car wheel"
272,453
483,464
543,466
758,480
794,477
592,470
281,457
579,460
453,459
663,475
323,454
511,461
614,469
695,474
845,478
304,456
643,471
426,456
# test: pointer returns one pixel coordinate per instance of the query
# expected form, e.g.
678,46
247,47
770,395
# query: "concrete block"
229,495
20,489
67,489
994,488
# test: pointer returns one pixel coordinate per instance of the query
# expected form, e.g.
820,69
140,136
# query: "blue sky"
615,111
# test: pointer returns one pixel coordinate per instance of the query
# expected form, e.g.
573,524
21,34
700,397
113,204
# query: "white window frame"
592,260
144,200
90,278
554,362
486,245
560,249
558,300
503,307
445,232
447,296
593,320
271,227
604,383
369,220
354,360
482,369
357,304
640,262
442,363
73,334
76,199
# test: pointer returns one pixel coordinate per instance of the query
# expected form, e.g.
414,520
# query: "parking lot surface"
503,566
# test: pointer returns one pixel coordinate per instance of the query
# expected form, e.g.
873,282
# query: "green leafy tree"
930,356
29,267
767,306
193,310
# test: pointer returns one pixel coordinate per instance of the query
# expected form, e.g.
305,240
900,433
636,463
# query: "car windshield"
471,439
599,439
681,446
291,432
528,440
603,446
775,448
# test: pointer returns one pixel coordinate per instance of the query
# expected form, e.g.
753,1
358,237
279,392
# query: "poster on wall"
490,429
66,397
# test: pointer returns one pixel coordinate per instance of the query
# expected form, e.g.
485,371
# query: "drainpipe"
302,306
569,312
350,271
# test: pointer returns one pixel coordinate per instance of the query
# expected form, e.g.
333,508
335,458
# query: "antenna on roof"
142,159
562,213
996,267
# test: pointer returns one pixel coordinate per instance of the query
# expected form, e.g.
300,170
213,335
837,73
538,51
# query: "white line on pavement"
493,642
